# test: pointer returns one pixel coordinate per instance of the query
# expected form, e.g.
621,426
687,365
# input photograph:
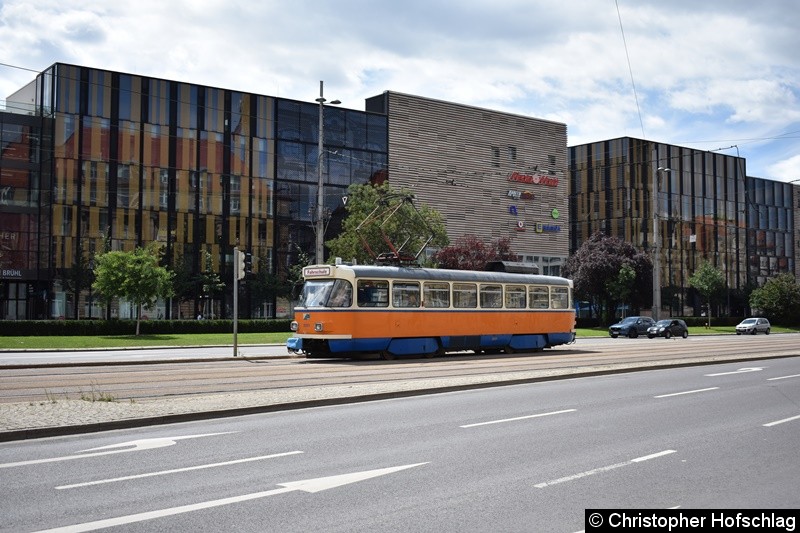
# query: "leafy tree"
621,287
135,276
381,220
779,299
184,283
595,270
208,282
471,253
295,277
76,279
265,286
709,282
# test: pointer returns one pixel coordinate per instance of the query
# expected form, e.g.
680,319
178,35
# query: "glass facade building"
94,160
706,209
100,160
24,214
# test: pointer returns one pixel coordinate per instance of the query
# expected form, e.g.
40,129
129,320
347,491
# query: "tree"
709,282
595,271
471,253
184,284
209,283
76,279
382,220
620,287
779,299
265,286
135,276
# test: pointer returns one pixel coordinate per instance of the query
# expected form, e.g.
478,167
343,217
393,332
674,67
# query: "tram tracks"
176,379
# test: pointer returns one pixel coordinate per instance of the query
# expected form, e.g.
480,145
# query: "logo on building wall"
520,225
535,179
547,228
520,195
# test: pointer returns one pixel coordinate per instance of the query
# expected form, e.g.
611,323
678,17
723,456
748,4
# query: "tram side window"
373,293
436,295
465,295
492,296
560,298
515,297
539,297
405,294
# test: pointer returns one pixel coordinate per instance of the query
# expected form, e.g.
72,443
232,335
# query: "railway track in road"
180,379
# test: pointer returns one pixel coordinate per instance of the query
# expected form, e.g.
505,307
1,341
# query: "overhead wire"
630,69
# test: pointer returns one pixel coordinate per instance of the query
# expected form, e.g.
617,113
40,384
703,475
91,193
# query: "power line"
628,57
19,68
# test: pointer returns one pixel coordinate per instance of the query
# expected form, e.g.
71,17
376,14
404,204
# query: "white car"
752,326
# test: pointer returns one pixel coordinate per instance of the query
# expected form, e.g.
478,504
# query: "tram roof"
440,274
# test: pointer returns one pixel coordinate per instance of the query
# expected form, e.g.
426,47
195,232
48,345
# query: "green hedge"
128,327
716,321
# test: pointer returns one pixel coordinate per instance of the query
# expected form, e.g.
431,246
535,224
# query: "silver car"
752,326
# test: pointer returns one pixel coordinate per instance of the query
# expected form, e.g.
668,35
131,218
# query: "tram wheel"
386,355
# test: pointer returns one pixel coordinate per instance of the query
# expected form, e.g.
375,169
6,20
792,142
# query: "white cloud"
710,73
788,169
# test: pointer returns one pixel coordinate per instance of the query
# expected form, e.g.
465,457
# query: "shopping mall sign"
534,179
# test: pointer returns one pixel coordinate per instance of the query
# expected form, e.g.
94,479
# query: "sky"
719,75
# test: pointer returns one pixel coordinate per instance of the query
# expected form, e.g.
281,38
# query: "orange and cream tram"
354,310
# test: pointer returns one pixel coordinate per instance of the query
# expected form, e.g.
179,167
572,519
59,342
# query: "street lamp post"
656,247
320,223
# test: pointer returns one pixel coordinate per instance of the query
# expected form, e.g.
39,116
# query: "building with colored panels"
95,160
706,208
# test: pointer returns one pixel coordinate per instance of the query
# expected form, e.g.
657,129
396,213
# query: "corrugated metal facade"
491,174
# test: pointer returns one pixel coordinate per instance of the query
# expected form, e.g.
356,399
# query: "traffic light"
238,261
248,263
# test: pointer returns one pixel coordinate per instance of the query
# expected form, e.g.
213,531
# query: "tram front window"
326,293
315,293
341,295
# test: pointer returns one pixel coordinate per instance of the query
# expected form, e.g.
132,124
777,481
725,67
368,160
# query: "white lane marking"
177,470
308,485
685,392
517,418
770,424
652,456
784,377
151,444
740,371
123,447
602,469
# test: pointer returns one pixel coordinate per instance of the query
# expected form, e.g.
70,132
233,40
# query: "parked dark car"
667,328
751,326
632,327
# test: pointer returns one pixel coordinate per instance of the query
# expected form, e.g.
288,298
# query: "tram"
350,311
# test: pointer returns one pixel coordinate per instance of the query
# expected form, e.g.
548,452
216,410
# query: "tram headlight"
293,325
318,327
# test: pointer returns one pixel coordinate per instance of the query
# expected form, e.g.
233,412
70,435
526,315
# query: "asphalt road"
526,457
